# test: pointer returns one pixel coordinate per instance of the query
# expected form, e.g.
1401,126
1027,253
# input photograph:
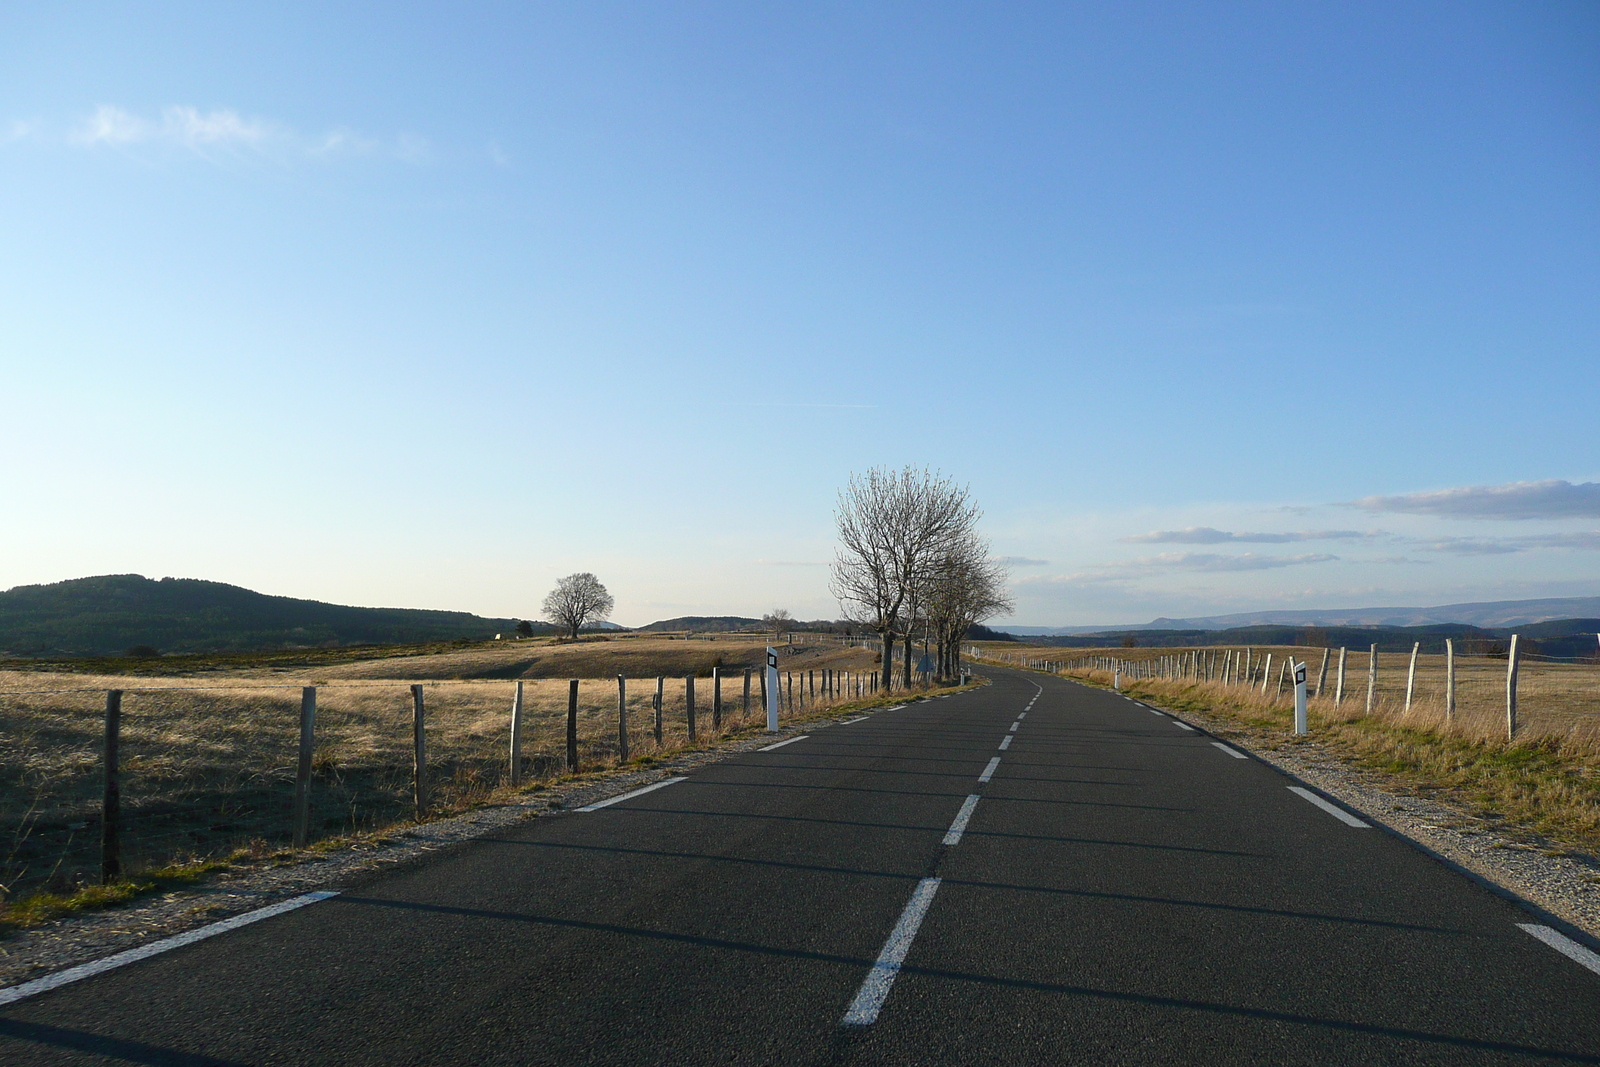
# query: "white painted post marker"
772,690
1299,698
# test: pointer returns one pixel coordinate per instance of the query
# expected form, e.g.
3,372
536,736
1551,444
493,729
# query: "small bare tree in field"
576,601
893,525
778,621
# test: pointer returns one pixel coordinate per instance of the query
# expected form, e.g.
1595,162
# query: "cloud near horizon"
1206,562
1021,561
1549,499
1206,535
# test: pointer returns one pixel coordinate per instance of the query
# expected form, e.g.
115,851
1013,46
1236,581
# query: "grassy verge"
39,908
1542,790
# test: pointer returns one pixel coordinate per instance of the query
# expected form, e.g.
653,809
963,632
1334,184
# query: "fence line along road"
105,783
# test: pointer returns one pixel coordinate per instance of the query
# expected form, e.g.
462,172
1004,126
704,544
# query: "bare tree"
779,621
965,586
892,526
576,601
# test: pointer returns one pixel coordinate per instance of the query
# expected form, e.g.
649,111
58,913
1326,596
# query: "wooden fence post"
622,719
302,777
763,673
111,803
788,681
1411,674
419,740
572,724
1512,662
1266,673
516,736
661,685
1372,678
716,699
688,698
1322,675
1338,690
1449,680
744,712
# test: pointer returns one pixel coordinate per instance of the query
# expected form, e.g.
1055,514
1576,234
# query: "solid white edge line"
1563,944
957,828
155,948
875,988
635,793
1332,809
1235,753
988,772
785,741
1006,743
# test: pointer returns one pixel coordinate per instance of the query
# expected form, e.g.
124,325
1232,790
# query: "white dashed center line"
1332,809
1006,743
1235,753
957,828
1014,726
1184,725
988,772
875,990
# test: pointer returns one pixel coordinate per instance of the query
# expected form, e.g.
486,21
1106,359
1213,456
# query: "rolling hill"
113,613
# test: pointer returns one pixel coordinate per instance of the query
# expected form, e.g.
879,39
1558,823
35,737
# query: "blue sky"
430,306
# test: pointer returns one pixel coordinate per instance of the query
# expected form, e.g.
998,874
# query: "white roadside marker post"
1300,698
772,690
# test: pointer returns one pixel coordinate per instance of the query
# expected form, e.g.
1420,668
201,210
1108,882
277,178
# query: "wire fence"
1476,695
204,771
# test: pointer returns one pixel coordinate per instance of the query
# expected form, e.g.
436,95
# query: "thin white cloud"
1582,541
1550,499
1021,561
225,132
1206,535
1128,570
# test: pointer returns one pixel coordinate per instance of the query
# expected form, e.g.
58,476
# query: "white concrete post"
1411,674
772,689
1299,698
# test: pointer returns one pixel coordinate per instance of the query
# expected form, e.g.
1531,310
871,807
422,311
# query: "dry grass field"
1545,781
209,760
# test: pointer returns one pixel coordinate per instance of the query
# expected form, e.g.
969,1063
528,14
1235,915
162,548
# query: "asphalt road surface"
1117,888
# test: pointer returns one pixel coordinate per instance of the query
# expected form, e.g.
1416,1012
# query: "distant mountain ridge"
1489,614
112,613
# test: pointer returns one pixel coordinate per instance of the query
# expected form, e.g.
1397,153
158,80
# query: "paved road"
1124,891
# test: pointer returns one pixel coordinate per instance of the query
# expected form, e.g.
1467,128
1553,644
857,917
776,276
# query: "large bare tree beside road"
893,528
576,601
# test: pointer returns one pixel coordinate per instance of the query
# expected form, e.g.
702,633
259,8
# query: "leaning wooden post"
744,712
1512,661
656,705
1338,690
622,719
788,680
1266,674
1411,674
764,702
111,803
1322,675
572,724
516,736
716,699
1372,679
302,778
688,698
1449,680
419,740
